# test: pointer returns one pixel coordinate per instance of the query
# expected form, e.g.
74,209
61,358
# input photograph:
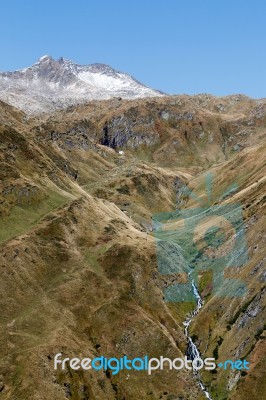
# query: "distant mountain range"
51,84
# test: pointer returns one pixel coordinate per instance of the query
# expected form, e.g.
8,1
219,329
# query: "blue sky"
189,46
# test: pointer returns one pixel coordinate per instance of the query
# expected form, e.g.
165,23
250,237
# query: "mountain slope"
51,84
79,271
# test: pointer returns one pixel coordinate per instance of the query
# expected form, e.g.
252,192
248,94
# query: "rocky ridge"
53,84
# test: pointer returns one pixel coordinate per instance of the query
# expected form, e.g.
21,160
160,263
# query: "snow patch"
45,86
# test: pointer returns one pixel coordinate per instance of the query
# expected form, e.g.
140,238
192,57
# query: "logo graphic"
145,363
204,238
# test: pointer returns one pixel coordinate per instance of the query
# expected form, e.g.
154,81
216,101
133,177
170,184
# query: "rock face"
78,259
50,84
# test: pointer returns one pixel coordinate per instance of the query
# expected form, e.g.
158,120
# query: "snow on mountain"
50,84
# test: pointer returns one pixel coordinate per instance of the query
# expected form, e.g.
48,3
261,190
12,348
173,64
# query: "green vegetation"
21,219
215,352
205,280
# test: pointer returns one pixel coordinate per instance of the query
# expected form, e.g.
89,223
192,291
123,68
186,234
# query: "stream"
192,351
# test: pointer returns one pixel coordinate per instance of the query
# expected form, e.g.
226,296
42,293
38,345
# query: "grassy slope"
87,267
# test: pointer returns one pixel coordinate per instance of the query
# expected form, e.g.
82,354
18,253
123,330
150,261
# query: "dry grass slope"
77,255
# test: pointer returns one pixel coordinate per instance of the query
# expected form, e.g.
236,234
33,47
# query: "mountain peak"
49,84
62,60
44,58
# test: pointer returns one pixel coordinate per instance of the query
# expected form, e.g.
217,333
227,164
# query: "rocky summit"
87,193
50,84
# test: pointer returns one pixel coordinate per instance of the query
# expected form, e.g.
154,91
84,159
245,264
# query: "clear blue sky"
189,46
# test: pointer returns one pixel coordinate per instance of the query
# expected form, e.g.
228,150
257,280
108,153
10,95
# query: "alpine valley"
88,157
